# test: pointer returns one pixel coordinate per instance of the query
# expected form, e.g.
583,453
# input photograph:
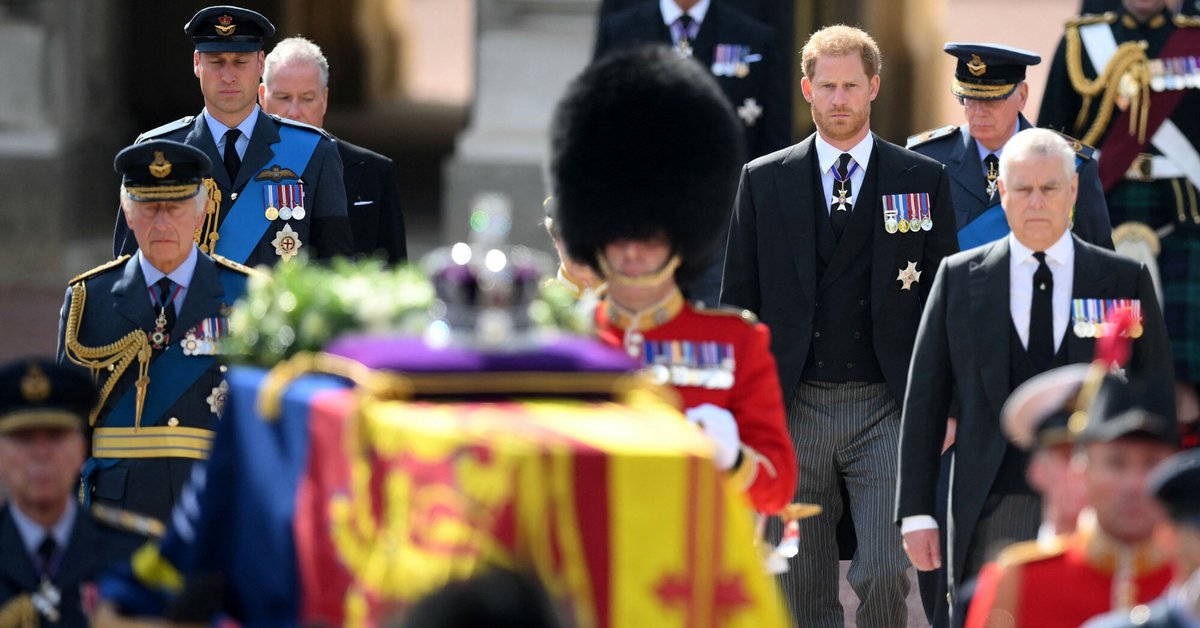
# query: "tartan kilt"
1158,203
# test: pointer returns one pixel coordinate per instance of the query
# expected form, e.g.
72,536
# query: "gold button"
173,422
224,368
112,367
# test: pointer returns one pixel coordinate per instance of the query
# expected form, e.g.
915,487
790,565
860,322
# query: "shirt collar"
984,152
32,532
1062,252
218,129
671,11
181,276
827,154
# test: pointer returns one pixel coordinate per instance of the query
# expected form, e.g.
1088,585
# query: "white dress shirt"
32,533
671,12
218,132
827,157
182,276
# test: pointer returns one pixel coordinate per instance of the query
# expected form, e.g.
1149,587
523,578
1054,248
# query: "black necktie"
991,167
1041,316
233,163
45,554
840,203
165,288
685,27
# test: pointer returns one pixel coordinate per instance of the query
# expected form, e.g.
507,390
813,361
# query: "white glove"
719,424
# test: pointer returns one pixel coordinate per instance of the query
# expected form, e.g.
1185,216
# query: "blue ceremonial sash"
171,374
990,226
246,222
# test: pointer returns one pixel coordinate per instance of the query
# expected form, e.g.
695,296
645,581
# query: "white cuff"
917,522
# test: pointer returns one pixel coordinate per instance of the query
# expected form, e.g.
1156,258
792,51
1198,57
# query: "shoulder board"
1088,19
166,128
1186,21
100,269
726,310
1083,151
221,260
127,521
930,135
1027,552
301,125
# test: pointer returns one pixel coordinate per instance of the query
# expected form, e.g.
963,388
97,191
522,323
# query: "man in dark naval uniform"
148,327
738,49
277,189
989,83
53,550
1125,82
296,86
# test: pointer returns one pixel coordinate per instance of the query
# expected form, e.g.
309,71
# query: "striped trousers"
848,432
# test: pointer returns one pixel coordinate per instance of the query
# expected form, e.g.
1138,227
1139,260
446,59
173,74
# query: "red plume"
1113,348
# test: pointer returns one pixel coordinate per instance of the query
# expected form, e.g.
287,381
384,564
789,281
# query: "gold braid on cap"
118,355
206,235
1127,74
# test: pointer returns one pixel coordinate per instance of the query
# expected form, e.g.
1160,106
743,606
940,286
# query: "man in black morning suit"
263,162
296,86
739,50
51,549
843,312
999,314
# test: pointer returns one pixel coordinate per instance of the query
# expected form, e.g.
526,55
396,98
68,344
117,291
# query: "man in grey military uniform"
989,83
148,327
277,188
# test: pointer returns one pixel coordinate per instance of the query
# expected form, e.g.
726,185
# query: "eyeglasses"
972,103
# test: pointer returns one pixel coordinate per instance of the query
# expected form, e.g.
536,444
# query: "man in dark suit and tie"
833,243
52,549
998,315
739,51
277,189
296,86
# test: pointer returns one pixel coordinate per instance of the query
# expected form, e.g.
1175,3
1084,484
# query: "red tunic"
1065,584
721,357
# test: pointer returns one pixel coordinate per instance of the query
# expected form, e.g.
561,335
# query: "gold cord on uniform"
1124,81
206,235
116,356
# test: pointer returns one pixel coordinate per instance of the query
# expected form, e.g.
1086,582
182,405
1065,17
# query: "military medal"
908,276
298,212
46,600
841,193
287,243
926,220
903,212
160,338
269,194
889,215
216,399
683,48
992,177
1082,327
202,339
749,111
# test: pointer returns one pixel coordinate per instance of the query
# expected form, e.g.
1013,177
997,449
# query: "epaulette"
301,125
127,521
930,135
166,128
1082,151
1087,19
1027,552
232,265
1186,21
726,310
106,266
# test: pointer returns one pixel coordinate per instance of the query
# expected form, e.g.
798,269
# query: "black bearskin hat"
643,143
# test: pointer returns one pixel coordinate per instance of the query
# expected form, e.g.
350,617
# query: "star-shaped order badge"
909,276
216,399
287,243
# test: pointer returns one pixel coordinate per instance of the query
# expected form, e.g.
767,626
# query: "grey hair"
1032,143
201,199
296,49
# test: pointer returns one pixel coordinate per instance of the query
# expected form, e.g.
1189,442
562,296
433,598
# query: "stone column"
527,51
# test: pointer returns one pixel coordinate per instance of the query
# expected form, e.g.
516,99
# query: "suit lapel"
892,171
77,560
988,282
352,170
131,298
259,152
859,228
1088,283
800,196
966,169
203,296
16,568
201,137
703,49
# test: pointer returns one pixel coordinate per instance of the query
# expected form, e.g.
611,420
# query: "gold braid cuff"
117,355
206,236
1127,71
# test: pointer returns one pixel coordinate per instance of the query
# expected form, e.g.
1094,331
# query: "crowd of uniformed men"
1003,418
